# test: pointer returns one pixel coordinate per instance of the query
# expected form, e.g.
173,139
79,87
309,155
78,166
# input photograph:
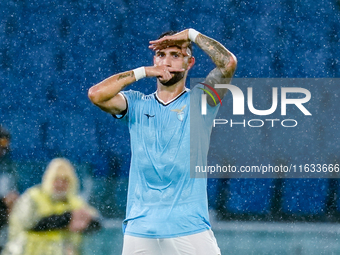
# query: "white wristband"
139,73
193,34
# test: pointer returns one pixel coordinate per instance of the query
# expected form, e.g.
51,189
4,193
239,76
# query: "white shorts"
203,243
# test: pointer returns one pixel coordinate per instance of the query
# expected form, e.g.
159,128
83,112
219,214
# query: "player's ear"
191,62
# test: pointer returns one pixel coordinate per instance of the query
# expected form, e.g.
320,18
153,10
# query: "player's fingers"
164,77
159,43
166,74
161,40
154,42
173,69
156,47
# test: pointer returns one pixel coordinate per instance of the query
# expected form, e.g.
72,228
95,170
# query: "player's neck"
168,93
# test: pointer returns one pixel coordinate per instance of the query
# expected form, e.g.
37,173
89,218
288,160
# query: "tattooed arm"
106,94
224,60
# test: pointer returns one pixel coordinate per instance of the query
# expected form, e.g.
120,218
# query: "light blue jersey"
163,201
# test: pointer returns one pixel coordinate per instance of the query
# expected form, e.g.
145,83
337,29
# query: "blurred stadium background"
51,52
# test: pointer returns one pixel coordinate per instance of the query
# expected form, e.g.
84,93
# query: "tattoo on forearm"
218,53
124,75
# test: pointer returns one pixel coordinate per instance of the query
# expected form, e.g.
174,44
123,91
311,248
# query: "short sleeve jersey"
163,200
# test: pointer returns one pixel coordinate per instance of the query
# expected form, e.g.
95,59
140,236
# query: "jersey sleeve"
131,98
196,101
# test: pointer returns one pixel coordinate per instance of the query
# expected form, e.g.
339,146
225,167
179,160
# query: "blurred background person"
8,184
50,218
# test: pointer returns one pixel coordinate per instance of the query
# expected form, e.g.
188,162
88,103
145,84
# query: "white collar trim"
160,100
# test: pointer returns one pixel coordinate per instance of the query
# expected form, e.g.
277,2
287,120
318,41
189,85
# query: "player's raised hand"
180,39
80,220
164,73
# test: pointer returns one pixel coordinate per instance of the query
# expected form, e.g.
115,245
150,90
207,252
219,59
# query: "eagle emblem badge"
180,113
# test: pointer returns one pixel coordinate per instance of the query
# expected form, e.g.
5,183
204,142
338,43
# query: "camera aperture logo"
204,98
238,105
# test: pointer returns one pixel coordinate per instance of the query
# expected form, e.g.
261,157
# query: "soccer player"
167,211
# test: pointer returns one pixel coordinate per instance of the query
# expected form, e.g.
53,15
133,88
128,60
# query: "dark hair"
4,133
172,32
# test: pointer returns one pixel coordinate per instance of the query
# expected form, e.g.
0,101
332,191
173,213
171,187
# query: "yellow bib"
60,239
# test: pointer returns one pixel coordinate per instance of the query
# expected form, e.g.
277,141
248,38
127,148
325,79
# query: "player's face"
172,57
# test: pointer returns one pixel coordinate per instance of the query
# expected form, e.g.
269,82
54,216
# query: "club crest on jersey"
180,113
